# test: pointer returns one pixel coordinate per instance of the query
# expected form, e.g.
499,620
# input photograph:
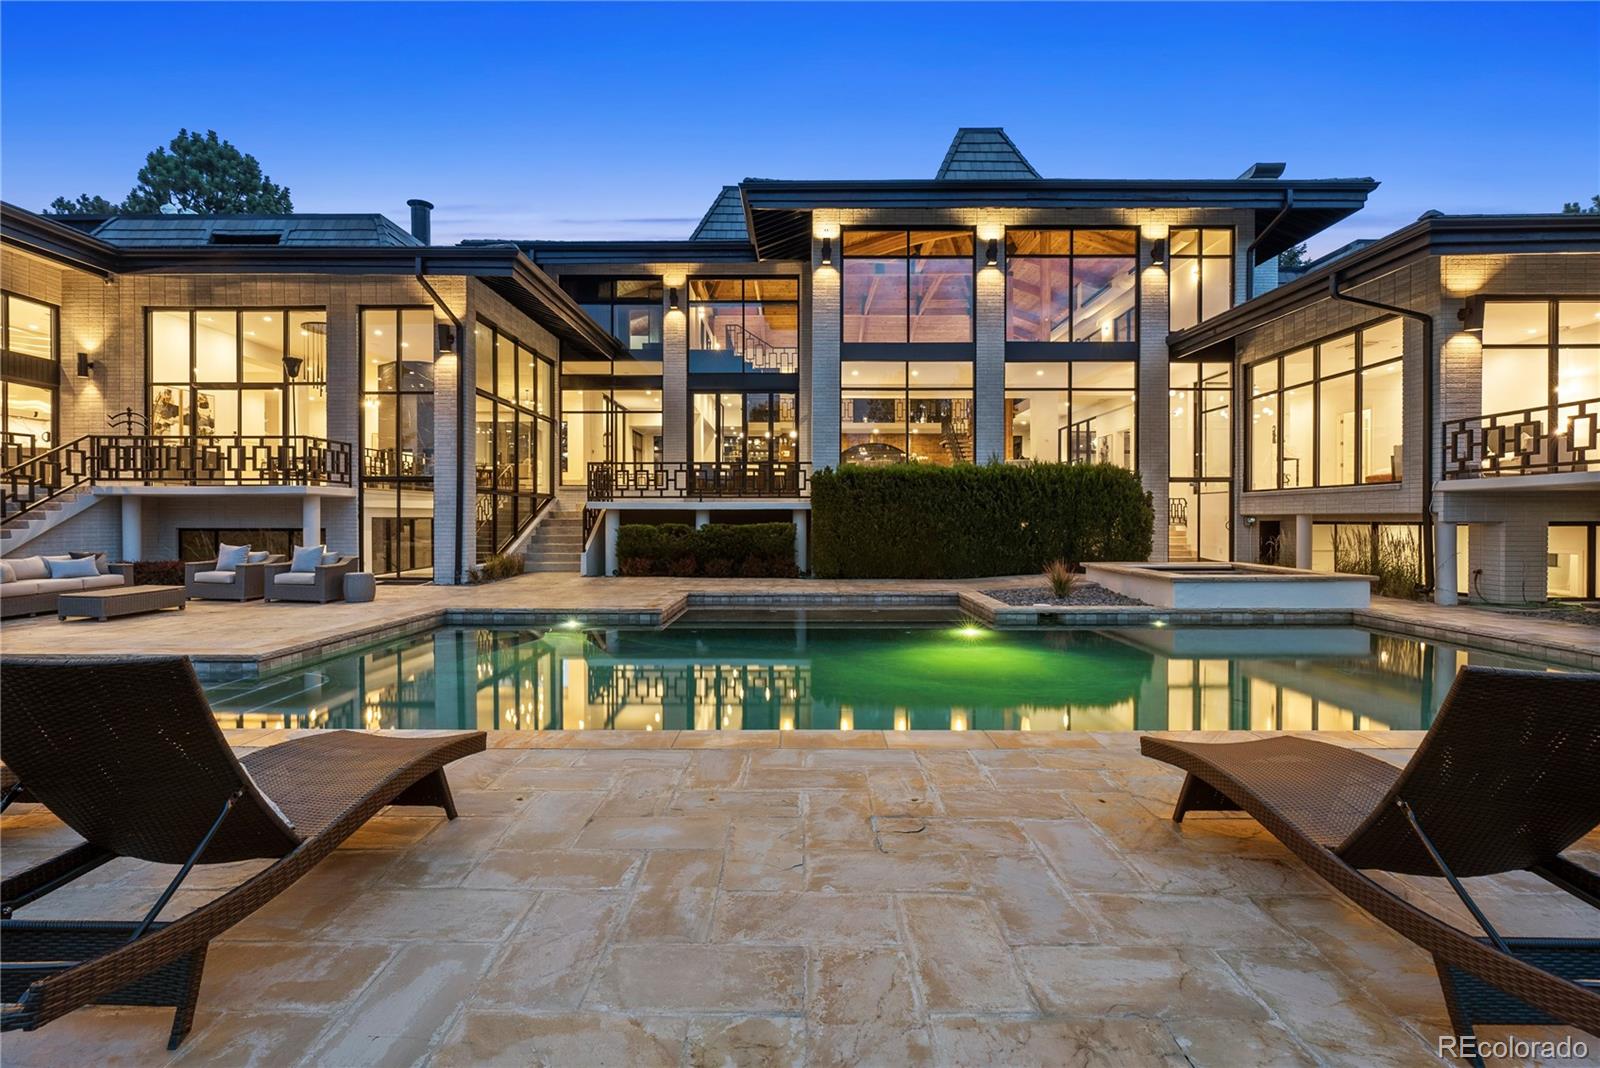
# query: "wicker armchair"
247,582
324,585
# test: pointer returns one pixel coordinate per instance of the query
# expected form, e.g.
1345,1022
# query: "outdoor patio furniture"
360,586
10,788
167,789
1504,781
28,588
206,581
320,586
119,601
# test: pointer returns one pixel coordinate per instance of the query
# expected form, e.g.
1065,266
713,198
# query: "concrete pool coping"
1231,587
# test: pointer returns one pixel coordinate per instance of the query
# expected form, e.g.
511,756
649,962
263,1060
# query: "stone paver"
760,904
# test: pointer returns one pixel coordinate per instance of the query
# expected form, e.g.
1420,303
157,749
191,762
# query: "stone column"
825,331
799,517
310,520
1302,542
1444,563
613,525
1152,379
675,374
132,528
989,351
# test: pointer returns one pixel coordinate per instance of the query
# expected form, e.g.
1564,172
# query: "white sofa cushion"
296,578
220,578
230,557
30,567
307,558
22,587
102,582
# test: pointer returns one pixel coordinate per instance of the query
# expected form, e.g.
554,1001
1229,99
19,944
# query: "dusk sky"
606,121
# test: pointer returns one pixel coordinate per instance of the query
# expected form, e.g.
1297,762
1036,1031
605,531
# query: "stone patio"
760,898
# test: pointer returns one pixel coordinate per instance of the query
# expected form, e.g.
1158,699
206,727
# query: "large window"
1200,460
1071,285
515,436
1329,414
744,428
1541,356
631,308
908,286
893,412
397,356
744,324
611,409
226,372
28,378
1201,265
1572,564
1078,412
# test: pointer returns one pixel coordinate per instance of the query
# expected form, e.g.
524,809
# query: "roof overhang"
1437,235
65,245
568,253
778,213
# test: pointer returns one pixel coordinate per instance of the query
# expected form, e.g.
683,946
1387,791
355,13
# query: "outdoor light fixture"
1158,252
1471,316
992,253
85,365
673,300
445,338
827,252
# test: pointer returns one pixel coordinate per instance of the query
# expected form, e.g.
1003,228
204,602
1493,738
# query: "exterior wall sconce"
445,338
85,365
991,254
827,252
674,299
1471,316
1158,252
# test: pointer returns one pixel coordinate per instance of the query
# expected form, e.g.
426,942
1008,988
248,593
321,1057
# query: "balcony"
1522,442
699,481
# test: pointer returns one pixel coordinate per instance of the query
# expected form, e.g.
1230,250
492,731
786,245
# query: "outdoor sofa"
167,789
27,588
319,586
1507,778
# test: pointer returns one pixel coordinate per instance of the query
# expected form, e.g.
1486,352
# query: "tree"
83,205
1292,258
1573,207
197,172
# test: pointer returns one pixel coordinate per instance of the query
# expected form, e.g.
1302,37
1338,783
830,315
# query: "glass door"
1199,497
29,380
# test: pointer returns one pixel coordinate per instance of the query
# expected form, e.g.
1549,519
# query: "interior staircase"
557,543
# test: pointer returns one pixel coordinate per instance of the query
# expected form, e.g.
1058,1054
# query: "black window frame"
1068,391
1199,290
1051,351
26,369
744,301
400,482
908,350
528,501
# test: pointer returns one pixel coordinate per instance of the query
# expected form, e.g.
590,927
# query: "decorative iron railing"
395,463
1531,441
242,460
15,447
1177,512
697,481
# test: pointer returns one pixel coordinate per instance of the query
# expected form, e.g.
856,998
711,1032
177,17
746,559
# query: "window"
1200,460
744,428
1571,561
1329,414
515,436
28,380
1071,285
1200,262
397,454
908,286
631,309
894,412
229,372
1078,412
744,324
1541,357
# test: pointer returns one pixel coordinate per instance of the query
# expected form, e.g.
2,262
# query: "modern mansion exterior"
337,378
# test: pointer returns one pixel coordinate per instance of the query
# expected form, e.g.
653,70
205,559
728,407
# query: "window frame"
14,365
909,351
518,412
1068,391
744,302
744,419
908,393
1199,290
1051,351
399,483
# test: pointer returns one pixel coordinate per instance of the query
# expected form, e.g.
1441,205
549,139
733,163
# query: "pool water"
801,675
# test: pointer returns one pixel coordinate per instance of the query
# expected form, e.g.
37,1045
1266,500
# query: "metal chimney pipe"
421,220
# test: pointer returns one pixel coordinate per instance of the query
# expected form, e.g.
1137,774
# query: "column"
1302,542
310,519
613,525
702,518
799,517
132,528
989,351
675,373
1153,377
1444,563
825,329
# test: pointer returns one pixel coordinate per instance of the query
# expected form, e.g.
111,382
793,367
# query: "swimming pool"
800,675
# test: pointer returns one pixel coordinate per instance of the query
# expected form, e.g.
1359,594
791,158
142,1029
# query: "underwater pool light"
571,624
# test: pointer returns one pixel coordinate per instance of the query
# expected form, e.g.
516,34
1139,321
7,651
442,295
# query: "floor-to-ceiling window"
1071,285
894,412
397,444
1200,262
29,378
744,326
907,286
1329,414
515,424
611,409
1200,463
1079,411
1541,358
1573,565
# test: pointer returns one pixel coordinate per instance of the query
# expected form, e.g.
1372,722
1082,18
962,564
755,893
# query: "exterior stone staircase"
18,530
557,544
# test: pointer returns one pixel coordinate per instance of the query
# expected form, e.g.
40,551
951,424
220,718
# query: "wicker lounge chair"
1504,781
246,582
318,587
10,788
166,788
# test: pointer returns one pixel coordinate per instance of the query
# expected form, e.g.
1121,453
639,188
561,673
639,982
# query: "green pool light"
969,631
571,624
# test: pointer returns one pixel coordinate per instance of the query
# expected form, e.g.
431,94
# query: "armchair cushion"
231,556
295,578
307,558
221,578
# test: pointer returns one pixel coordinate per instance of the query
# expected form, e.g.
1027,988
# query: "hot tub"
1233,586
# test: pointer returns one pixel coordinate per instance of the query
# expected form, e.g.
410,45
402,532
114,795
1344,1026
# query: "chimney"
421,220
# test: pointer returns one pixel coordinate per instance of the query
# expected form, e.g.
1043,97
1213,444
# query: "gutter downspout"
1427,413
1249,251
461,410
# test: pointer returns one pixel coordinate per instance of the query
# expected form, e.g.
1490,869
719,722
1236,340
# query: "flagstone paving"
937,899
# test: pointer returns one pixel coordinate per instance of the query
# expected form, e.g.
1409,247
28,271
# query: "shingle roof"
724,220
185,231
980,152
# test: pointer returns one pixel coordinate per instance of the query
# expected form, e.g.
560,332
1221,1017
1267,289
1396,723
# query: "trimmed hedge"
748,550
923,521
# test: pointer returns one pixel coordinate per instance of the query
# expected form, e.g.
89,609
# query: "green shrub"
720,550
497,567
922,521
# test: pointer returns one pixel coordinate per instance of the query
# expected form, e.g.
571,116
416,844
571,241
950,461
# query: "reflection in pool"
806,676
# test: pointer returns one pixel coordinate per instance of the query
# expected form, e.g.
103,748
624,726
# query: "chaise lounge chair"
127,753
1507,778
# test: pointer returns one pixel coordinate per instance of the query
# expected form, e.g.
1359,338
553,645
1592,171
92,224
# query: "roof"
984,152
171,231
724,220
1434,234
1328,257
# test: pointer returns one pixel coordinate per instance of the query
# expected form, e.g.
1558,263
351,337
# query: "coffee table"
104,604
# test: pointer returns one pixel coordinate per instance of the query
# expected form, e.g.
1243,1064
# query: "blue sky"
611,120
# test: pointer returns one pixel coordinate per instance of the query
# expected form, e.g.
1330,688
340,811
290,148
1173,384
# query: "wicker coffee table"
115,601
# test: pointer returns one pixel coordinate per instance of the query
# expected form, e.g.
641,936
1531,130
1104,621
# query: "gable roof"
724,219
979,152
187,231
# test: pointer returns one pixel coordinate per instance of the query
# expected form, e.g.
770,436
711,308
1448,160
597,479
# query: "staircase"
55,509
557,543
1178,547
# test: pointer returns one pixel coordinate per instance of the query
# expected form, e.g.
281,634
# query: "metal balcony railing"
1547,440
610,481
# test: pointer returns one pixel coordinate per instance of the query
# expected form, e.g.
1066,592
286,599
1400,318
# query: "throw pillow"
6,574
66,567
229,557
307,558
259,556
